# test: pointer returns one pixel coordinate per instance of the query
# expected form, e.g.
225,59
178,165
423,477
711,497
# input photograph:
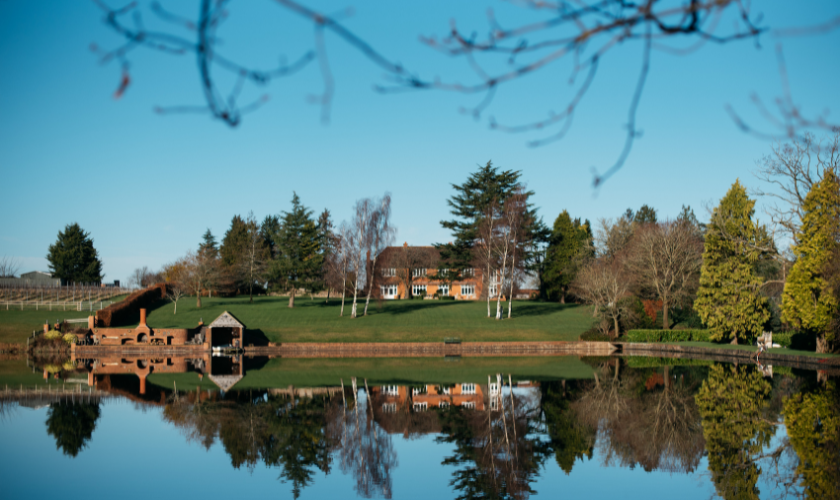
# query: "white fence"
65,298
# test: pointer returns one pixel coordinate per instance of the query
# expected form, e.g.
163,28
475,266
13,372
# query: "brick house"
415,267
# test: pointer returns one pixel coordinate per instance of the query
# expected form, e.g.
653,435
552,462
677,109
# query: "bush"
52,335
123,310
594,335
667,336
70,338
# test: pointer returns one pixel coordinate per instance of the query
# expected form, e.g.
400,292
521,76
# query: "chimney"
405,244
91,322
46,327
142,317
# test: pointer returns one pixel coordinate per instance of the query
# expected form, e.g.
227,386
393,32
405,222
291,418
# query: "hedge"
667,336
121,311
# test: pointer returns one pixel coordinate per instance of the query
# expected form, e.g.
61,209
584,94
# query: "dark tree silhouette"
72,424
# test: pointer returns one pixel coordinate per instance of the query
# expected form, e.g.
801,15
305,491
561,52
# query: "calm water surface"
417,428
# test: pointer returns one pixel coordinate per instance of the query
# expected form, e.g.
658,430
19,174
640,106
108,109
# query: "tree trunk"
615,322
251,292
292,298
343,290
501,287
487,278
563,295
666,325
822,345
372,283
328,295
355,294
734,340
198,298
512,271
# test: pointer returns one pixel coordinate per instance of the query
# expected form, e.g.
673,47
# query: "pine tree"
484,188
299,258
234,242
728,300
327,246
73,258
645,215
568,239
808,302
208,245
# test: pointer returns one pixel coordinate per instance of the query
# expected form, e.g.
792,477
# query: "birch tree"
380,236
359,239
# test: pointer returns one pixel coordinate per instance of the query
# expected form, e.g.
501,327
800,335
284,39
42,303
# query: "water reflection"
740,429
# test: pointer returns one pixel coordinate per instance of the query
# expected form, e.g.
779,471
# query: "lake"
507,427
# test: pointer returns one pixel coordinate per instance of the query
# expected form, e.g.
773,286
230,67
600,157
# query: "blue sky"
147,186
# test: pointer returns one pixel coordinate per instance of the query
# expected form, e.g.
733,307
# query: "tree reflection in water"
649,415
72,424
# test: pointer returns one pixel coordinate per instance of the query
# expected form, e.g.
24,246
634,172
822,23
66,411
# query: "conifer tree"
208,245
73,258
299,259
729,300
808,302
568,239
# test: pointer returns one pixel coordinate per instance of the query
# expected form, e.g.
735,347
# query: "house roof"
226,320
225,382
428,256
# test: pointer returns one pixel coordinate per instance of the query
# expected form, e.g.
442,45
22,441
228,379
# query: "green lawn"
391,321
16,325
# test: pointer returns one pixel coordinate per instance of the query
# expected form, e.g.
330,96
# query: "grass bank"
17,325
389,321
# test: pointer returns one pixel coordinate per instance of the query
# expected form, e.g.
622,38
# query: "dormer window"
389,272
418,272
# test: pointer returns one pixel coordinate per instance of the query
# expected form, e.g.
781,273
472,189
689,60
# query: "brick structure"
225,372
225,331
418,266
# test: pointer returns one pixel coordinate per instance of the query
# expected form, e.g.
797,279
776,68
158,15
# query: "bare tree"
202,268
409,258
579,34
254,259
613,236
9,267
344,259
176,277
380,236
603,284
359,239
666,258
485,245
790,170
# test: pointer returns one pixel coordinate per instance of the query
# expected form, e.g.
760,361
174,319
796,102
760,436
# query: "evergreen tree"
482,189
235,242
73,258
269,229
808,302
327,242
731,402
645,215
812,421
568,239
728,300
299,258
72,424
208,244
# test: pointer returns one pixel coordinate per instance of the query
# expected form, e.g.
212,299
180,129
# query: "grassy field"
15,326
391,321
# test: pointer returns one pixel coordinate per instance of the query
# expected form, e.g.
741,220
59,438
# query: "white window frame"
444,404
391,390
389,408
467,388
389,272
418,272
444,290
417,290
385,289
420,406
468,404
469,271
494,404
494,389
468,290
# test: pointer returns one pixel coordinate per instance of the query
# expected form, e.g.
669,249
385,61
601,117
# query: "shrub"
52,335
667,336
594,335
131,305
70,338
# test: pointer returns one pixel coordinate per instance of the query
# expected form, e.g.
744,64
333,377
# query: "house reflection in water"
224,371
